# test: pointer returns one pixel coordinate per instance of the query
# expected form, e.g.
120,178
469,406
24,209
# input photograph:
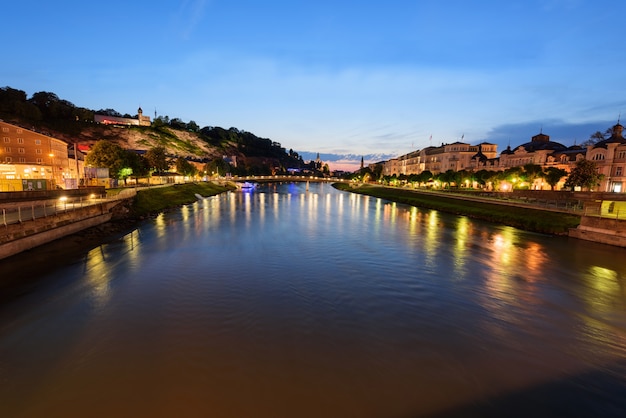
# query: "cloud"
566,133
190,14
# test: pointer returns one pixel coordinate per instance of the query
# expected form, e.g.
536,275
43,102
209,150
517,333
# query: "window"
21,150
39,161
20,140
22,160
37,141
6,139
19,130
598,157
38,151
7,149
5,129
618,171
8,159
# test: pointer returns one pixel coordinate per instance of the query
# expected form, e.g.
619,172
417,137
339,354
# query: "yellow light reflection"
261,210
460,249
431,243
97,277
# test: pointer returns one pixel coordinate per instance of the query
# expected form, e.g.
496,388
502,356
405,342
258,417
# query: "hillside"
47,113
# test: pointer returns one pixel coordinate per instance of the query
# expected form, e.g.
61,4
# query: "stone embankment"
24,234
30,220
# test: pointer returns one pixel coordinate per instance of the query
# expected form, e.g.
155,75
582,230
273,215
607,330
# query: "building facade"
114,120
610,158
459,156
30,160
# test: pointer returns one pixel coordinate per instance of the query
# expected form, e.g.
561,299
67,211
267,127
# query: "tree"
424,177
447,178
177,123
217,166
532,172
585,175
193,126
185,168
157,159
105,154
483,177
138,165
597,137
553,175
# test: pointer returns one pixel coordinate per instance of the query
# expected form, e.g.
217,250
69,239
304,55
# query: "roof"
541,142
616,138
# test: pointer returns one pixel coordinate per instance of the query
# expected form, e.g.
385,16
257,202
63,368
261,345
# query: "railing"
17,212
604,213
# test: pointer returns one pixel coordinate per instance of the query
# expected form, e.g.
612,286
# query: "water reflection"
97,273
294,302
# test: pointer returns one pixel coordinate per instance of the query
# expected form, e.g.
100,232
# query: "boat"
246,185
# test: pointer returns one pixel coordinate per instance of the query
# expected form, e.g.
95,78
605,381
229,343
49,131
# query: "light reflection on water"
288,302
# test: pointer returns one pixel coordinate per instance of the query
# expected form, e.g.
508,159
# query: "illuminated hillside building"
114,120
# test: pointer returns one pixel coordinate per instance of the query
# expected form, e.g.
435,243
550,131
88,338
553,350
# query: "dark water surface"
285,302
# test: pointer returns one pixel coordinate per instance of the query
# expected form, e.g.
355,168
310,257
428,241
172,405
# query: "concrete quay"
26,234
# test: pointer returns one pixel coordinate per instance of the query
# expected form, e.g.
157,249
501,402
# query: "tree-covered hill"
45,112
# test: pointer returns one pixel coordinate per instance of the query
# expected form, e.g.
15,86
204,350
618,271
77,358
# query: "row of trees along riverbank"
527,218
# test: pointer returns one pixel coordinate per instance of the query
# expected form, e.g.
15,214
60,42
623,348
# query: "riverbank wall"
602,230
128,205
18,237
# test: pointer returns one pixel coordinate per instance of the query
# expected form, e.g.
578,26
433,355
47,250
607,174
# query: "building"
114,120
460,156
457,156
31,160
538,151
610,157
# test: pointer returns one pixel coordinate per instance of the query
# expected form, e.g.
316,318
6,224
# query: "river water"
304,301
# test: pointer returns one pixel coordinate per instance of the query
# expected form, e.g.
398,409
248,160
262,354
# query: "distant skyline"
339,78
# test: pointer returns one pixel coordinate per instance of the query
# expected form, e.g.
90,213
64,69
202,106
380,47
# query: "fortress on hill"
114,120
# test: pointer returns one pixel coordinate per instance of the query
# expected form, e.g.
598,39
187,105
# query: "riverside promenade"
30,219
601,216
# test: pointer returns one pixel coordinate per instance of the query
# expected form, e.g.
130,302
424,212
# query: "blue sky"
377,79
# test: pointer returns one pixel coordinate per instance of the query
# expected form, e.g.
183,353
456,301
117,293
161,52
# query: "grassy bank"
529,219
157,199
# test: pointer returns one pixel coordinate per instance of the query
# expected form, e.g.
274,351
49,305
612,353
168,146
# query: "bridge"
280,179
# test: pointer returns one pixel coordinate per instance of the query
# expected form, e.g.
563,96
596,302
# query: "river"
298,300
